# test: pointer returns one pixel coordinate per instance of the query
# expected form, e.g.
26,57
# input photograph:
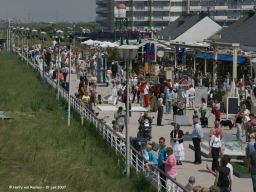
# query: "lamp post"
10,30
59,33
13,36
22,43
34,32
27,34
71,37
127,52
43,34
17,32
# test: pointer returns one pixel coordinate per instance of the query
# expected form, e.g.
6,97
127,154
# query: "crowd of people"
156,97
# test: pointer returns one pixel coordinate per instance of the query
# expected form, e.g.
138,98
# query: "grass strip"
42,150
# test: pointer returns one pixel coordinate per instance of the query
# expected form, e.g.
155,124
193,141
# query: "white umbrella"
112,44
104,45
88,42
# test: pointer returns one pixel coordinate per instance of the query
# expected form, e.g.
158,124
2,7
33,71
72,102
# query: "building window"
205,3
160,4
176,13
176,4
220,3
160,13
140,14
160,24
194,3
141,23
140,4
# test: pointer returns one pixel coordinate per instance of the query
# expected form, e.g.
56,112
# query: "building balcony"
155,8
233,17
140,18
234,6
161,18
221,7
140,8
248,7
197,8
216,18
101,9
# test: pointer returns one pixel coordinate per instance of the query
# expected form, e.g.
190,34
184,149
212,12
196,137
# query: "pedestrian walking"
161,157
177,137
191,94
215,149
238,123
160,110
252,167
197,137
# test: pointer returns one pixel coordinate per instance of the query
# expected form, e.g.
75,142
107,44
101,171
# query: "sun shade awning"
221,57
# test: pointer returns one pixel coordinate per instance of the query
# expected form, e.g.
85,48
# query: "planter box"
241,175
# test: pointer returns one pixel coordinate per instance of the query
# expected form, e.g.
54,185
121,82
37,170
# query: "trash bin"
65,85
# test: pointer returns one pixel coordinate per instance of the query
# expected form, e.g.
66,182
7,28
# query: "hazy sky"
47,10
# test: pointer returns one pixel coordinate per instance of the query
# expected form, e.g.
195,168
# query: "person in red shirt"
146,94
169,83
141,89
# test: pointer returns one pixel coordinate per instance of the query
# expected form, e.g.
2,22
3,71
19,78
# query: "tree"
113,54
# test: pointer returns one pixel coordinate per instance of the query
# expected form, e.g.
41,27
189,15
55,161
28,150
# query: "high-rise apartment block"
156,14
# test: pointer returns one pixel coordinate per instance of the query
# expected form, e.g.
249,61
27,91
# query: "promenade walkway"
203,177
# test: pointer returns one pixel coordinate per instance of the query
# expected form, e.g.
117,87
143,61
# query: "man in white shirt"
191,94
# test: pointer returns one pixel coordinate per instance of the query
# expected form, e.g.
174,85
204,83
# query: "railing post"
136,163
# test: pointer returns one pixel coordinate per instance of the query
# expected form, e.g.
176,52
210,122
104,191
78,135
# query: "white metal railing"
157,177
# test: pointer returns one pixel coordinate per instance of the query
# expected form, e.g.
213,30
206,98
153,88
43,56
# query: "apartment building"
156,14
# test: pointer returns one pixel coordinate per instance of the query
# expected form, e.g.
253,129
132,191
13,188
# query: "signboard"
168,72
231,105
200,92
154,79
156,69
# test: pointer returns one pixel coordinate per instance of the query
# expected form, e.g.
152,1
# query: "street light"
17,32
34,34
27,34
13,36
9,37
59,34
22,42
128,52
71,37
43,34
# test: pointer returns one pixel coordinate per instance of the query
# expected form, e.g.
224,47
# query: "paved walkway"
203,177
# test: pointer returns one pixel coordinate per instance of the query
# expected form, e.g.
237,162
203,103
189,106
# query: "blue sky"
47,10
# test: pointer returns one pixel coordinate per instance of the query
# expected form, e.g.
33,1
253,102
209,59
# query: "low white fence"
158,178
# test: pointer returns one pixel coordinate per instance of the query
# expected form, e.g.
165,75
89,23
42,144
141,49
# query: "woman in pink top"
216,107
170,167
216,126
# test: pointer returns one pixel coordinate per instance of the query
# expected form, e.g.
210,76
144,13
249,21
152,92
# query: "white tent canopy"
104,44
88,42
